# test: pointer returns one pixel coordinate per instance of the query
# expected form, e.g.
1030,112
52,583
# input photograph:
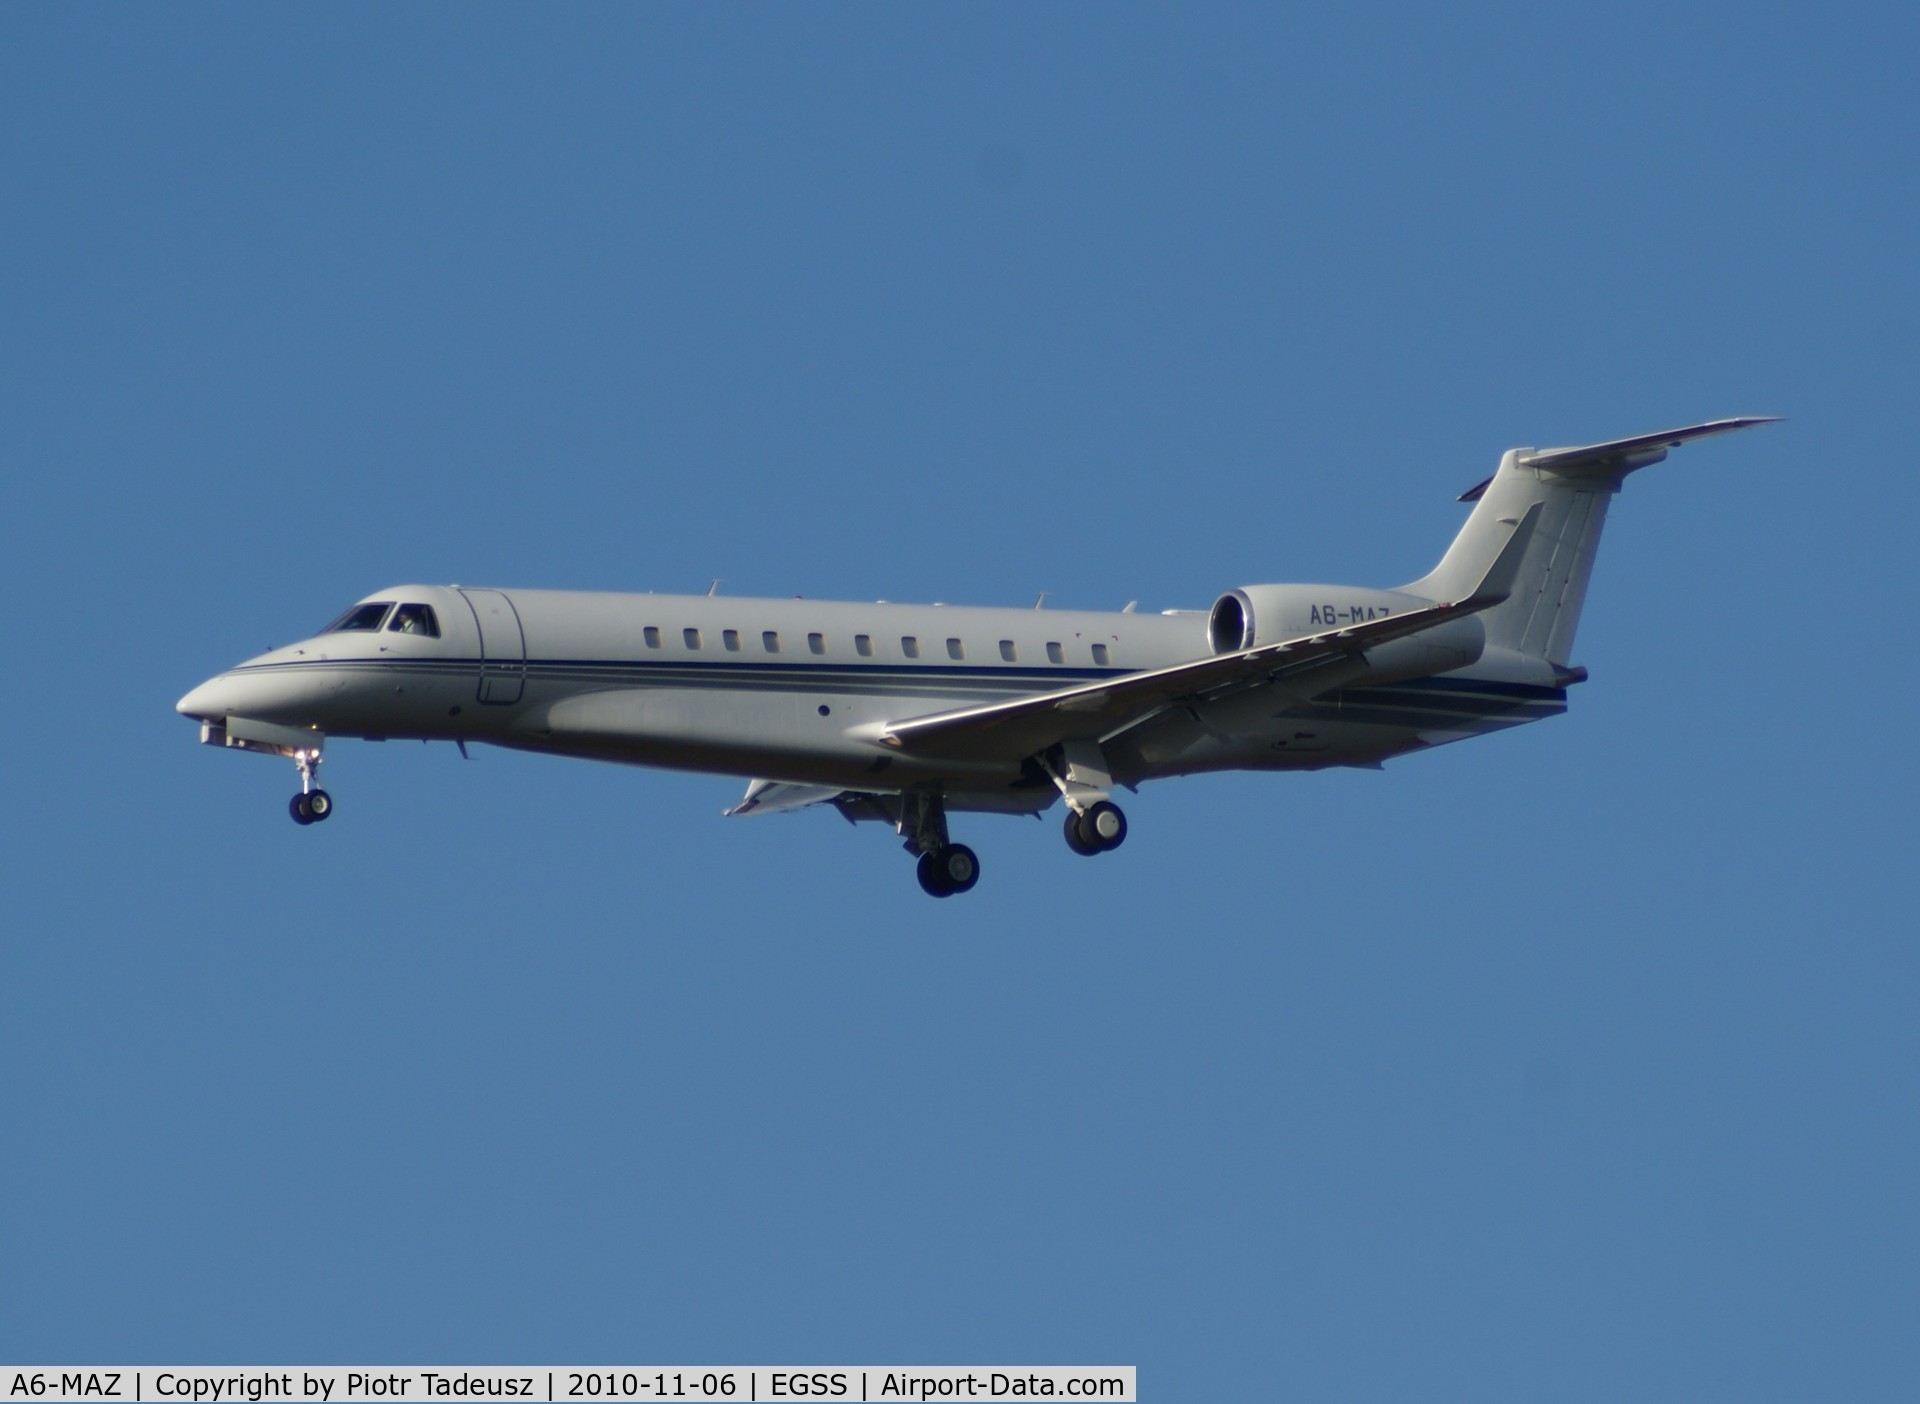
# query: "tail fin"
1572,488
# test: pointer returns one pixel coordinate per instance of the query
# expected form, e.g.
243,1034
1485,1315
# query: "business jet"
903,714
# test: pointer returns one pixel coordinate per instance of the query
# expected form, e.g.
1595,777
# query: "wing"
1027,725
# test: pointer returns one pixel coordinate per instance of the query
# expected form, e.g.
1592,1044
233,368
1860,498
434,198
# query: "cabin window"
415,619
731,639
652,635
1100,654
910,646
1008,651
1056,654
691,637
863,645
956,649
816,643
770,641
361,618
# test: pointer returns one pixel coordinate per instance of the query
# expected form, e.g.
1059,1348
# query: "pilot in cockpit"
415,619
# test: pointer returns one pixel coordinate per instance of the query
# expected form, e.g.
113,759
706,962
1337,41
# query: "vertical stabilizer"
1573,487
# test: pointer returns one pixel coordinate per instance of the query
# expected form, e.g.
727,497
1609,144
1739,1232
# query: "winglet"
1497,583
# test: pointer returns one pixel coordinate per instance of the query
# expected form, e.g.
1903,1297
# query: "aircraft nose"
263,691
204,701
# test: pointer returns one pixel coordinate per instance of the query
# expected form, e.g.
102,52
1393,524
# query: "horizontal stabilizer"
1618,457
1636,452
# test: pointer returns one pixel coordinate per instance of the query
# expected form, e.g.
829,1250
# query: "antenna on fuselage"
714,587
1040,599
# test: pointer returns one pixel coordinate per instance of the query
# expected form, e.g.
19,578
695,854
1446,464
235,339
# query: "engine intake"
1230,626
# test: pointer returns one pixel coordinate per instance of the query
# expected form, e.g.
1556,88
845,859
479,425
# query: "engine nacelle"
1265,614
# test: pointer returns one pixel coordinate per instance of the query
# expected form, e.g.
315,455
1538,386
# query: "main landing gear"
948,870
1094,822
312,804
945,867
1099,827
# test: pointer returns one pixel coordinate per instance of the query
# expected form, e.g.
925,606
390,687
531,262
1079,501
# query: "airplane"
902,714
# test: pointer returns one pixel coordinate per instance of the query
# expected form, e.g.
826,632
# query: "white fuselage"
797,689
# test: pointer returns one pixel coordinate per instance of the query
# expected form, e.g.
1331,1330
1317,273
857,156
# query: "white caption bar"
562,1384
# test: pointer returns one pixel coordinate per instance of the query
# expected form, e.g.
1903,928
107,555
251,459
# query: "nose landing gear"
312,804
310,807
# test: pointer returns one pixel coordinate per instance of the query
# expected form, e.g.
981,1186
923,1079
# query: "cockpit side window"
360,619
415,619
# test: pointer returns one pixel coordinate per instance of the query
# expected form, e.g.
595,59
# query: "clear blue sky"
1575,1063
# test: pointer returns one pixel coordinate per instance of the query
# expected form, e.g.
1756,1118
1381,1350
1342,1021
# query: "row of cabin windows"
420,619
863,645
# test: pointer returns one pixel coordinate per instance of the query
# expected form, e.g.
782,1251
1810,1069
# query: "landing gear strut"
945,868
312,804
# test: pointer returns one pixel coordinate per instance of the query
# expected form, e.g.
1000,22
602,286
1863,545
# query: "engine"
1264,614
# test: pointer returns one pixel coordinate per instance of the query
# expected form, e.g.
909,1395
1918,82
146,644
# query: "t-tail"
1535,624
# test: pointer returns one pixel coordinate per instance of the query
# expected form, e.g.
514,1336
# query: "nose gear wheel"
310,807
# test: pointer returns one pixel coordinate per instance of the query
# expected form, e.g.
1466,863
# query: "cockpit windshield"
360,619
415,619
